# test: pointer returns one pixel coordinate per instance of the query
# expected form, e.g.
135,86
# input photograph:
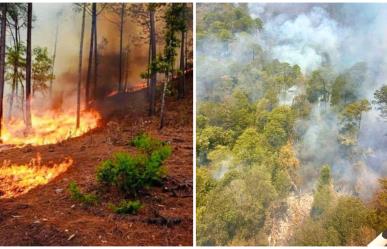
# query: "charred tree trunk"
153,78
54,57
80,67
28,68
182,67
121,33
91,50
95,50
2,60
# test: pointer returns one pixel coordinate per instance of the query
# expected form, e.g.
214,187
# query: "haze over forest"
295,104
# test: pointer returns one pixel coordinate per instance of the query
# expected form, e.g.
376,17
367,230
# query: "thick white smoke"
338,35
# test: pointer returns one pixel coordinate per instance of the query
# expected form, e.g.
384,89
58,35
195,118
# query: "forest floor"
48,216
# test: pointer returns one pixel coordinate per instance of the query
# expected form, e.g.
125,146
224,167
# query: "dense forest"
96,124
291,124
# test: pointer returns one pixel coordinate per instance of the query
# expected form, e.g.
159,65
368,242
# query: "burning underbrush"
17,179
48,128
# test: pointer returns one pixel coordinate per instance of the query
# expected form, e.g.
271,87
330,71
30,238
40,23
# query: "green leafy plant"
132,173
126,207
146,143
77,195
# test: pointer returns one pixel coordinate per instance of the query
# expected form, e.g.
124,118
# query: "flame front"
16,179
48,128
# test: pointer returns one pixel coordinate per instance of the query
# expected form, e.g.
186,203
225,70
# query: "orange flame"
48,128
16,180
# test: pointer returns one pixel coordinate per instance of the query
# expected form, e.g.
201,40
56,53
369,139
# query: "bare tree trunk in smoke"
186,51
2,60
15,70
121,33
80,67
53,57
153,79
95,49
182,67
91,49
126,69
28,69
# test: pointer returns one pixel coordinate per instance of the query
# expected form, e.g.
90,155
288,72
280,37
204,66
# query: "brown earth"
48,216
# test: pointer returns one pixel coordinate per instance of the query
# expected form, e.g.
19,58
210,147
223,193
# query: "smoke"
48,16
315,36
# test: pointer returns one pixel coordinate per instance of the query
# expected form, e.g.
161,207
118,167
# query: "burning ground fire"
48,128
16,179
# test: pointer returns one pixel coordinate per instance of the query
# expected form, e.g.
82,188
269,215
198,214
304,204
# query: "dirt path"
47,216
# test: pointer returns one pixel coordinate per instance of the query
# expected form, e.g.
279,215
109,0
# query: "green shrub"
132,173
77,195
126,207
146,143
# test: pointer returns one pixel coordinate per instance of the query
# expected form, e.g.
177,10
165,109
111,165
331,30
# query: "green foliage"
41,69
132,173
279,127
350,121
16,58
348,223
323,197
204,184
317,88
224,24
126,207
249,159
210,137
235,209
380,96
146,143
77,195
249,149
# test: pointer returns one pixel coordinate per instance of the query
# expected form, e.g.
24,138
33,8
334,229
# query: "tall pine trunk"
149,64
54,57
15,71
28,68
121,33
91,50
153,79
182,66
2,61
126,69
95,50
80,67
162,108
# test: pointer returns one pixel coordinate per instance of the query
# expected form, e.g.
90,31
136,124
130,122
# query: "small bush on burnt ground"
126,207
132,173
77,195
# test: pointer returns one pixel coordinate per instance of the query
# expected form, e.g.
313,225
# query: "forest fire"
48,128
16,179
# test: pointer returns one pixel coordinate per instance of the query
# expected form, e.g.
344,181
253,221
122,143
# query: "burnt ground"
48,216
